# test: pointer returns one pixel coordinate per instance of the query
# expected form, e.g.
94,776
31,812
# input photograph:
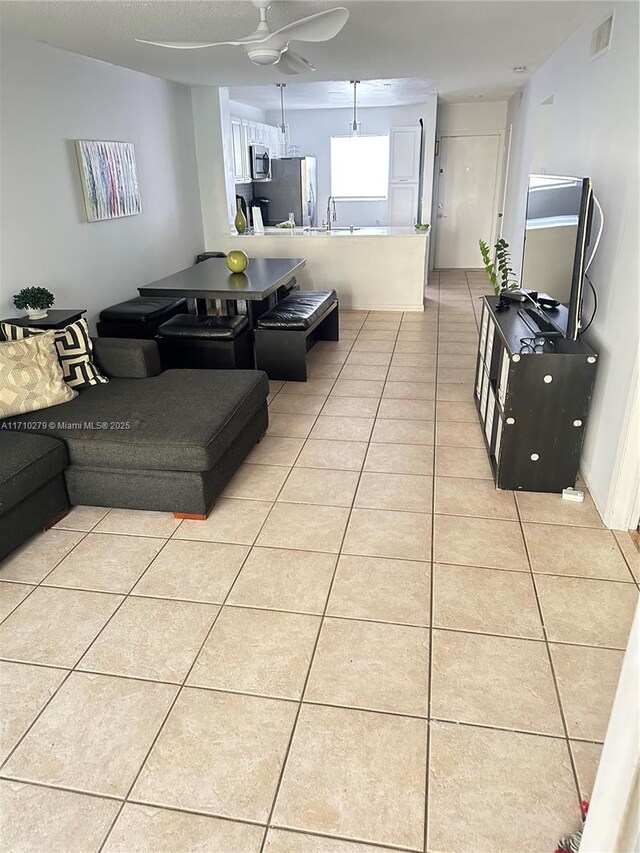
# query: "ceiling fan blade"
187,45
320,27
293,63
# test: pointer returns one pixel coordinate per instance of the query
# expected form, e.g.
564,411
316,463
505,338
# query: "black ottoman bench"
195,340
285,334
138,317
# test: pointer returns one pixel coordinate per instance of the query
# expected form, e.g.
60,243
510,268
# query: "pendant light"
283,127
355,126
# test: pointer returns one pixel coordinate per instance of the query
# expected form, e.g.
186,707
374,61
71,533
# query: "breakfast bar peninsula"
371,269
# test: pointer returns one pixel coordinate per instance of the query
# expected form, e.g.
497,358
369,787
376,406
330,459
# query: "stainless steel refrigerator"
292,188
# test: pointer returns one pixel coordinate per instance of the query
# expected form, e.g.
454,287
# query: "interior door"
467,188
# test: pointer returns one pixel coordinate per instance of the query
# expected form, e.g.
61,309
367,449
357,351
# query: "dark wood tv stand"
533,405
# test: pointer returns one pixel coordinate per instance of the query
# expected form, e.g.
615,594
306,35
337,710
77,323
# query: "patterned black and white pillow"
74,351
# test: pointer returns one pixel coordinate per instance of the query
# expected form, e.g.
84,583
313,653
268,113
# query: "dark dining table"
212,280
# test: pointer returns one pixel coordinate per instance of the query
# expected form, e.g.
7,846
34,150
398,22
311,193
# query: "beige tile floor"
365,646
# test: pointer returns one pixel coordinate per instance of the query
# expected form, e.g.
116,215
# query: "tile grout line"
511,519
425,828
309,703
624,556
324,612
303,550
342,618
551,666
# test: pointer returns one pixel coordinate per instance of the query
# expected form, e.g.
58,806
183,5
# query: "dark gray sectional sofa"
32,488
146,440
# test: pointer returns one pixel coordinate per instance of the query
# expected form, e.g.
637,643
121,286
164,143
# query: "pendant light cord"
354,126
283,126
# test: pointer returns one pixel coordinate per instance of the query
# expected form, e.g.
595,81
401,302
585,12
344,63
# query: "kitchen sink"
335,228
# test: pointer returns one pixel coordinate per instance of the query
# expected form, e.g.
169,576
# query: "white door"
404,155
467,189
403,204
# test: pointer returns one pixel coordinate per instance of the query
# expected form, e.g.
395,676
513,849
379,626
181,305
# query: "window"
359,166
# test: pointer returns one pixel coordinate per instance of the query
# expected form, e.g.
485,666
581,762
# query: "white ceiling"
467,47
320,95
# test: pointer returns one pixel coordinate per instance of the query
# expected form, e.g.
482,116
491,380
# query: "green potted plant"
499,272
35,301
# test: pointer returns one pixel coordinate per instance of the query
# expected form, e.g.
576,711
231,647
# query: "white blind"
359,166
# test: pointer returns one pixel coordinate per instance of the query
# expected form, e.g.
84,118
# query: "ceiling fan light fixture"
264,55
265,48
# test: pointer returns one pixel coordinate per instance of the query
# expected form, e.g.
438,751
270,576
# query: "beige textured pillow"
30,376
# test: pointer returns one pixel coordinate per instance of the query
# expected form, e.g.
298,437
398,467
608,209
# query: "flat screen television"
557,234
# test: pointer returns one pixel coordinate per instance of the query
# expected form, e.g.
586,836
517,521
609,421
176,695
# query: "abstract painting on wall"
109,179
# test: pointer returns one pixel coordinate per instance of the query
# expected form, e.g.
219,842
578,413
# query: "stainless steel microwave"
260,163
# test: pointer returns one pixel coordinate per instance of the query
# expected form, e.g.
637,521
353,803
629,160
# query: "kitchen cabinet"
403,204
275,142
404,174
240,152
404,155
244,133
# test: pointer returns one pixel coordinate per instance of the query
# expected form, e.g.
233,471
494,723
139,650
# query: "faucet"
331,217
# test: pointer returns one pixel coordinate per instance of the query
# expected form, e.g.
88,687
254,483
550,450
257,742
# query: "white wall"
50,97
312,130
214,152
474,117
238,110
594,132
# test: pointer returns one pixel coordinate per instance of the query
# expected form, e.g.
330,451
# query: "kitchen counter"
364,231
373,269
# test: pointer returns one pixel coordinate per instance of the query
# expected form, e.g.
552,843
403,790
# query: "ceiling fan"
266,48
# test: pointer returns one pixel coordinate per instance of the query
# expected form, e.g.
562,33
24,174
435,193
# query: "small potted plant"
499,272
35,301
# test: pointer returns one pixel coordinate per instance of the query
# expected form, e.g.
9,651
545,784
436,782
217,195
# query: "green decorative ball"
237,261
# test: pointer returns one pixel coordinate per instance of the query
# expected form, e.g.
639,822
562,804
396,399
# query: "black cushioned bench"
138,317
287,332
195,340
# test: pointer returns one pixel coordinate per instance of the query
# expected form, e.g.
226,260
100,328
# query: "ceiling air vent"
601,39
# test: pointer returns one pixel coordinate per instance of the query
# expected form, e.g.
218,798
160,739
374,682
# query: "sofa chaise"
149,439
32,488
